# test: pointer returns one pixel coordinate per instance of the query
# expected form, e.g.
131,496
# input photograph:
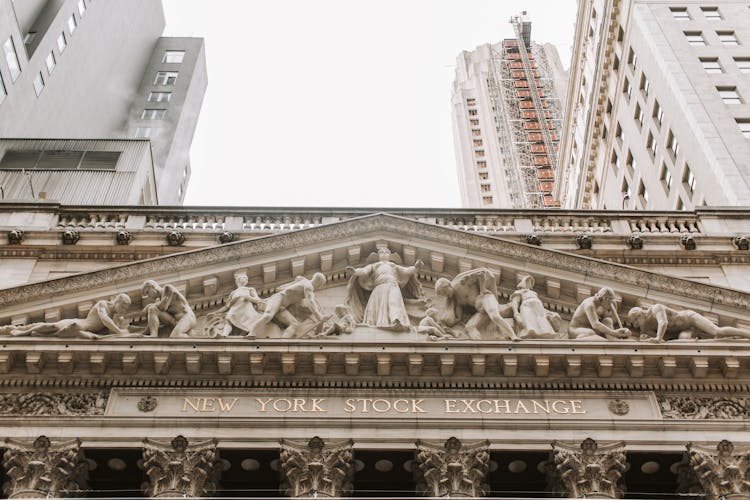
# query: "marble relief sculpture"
377,291
105,319
659,322
239,312
595,317
532,320
170,307
291,307
341,322
475,291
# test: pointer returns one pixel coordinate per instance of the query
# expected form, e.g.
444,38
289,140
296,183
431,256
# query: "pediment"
206,276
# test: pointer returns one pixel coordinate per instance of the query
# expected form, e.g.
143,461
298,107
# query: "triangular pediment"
206,276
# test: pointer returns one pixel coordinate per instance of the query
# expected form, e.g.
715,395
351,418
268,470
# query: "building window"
50,62
474,123
695,38
471,101
658,113
680,13
159,96
38,83
652,145
477,142
729,95
665,177
81,7
3,91
688,179
618,132
11,57
627,89
483,176
72,24
643,193
479,153
727,37
645,84
62,42
672,145
482,164
485,188
29,38
615,161
680,204
173,56
638,115
632,59
476,132
487,200
744,125
153,114
472,112
630,162
143,132
625,190
711,13
743,64
165,77
59,160
711,65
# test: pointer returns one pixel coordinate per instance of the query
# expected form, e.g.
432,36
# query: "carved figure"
44,470
376,292
594,318
170,307
589,470
239,310
722,472
315,469
475,291
532,320
293,303
177,469
105,319
660,323
452,470
342,322
430,325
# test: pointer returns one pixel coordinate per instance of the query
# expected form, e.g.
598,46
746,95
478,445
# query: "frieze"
370,225
704,408
53,404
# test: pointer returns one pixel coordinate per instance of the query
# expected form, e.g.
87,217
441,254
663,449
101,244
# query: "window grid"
711,65
744,126
62,42
173,56
170,77
153,114
658,113
665,177
72,24
159,96
689,179
743,64
3,91
81,7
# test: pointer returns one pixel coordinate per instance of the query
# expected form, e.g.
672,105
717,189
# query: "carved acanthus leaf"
452,469
316,469
704,408
53,404
721,471
589,470
179,469
40,469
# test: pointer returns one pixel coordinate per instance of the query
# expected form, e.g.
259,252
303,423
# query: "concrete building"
506,121
657,107
99,69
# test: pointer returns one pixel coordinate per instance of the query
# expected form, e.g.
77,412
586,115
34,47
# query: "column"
180,469
40,469
588,470
316,469
722,471
452,469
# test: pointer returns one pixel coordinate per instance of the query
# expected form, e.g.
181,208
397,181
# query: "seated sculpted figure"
661,323
170,307
376,292
293,303
341,322
594,318
239,312
476,290
533,321
430,325
105,319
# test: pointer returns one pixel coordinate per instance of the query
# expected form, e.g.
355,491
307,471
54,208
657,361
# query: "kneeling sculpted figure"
663,323
105,319
477,290
285,306
595,316
170,307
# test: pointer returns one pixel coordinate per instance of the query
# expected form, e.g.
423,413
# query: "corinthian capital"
452,469
589,470
316,468
40,469
180,469
721,471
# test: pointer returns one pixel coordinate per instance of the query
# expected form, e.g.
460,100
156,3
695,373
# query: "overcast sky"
338,102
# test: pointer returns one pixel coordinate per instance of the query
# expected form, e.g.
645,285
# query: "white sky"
338,102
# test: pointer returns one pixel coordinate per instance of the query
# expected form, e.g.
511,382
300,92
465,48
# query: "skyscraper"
96,69
657,113
506,121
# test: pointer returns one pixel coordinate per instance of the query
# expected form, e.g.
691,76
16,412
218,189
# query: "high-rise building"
97,69
657,112
506,121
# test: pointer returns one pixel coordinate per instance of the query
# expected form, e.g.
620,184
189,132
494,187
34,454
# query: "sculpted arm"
662,320
106,319
313,303
596,324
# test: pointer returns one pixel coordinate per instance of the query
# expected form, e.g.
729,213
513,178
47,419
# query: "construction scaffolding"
527,116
